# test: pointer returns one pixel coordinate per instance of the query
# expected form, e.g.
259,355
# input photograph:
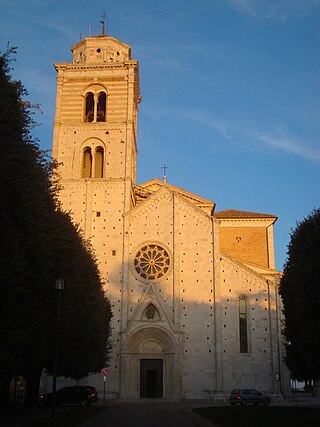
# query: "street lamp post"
59,286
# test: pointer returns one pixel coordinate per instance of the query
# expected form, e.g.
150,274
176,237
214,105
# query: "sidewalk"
305,400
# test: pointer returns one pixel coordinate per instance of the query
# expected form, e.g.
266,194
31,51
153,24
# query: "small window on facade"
87,163
89,108
99,162
243,327
101,108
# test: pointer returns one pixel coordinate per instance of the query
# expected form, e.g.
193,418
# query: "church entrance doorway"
151,378
150,364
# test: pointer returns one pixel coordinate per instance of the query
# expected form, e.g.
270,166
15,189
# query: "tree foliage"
39,244
300,291
25,215
85,313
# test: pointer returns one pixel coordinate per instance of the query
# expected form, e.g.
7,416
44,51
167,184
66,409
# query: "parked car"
248,395
74,395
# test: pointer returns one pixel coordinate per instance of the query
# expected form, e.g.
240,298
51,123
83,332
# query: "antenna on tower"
103,19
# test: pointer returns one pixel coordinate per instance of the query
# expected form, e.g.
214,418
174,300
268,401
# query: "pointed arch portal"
152,368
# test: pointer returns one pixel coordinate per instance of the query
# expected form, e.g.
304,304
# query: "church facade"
194,290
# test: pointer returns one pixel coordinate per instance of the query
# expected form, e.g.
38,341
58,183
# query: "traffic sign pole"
104,372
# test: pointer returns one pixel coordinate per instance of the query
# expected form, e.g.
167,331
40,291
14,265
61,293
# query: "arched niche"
150,313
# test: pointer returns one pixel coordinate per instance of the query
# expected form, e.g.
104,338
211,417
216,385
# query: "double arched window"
95,105
92,162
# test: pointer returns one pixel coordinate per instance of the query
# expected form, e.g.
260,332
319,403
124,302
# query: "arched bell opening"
101,107
86,171
95,105
99,162
89,107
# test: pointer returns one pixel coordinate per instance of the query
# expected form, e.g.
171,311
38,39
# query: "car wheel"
243,402
83,402
266,401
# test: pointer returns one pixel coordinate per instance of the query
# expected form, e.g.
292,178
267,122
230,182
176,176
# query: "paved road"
146,414
159,413
141,413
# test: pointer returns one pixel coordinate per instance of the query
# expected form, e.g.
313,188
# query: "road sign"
104,372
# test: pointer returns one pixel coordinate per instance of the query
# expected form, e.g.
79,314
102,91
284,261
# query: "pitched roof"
233,213
147,188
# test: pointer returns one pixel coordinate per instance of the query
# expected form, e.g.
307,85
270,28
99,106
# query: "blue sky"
230,92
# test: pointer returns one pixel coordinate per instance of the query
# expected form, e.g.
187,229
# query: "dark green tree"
300,291
39,244
26,212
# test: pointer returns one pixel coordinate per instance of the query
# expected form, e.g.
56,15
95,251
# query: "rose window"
152,262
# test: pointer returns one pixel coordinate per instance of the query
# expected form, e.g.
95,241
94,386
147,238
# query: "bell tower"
95,129
95,145
95,126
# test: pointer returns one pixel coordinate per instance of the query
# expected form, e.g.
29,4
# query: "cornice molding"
67,66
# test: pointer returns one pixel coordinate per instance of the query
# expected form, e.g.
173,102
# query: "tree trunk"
4,390
316,388
32,388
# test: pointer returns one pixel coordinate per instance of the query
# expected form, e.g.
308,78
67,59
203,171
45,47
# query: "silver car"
248,395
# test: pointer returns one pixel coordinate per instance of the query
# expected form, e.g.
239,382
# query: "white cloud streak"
275,9
249,138
291,145
205,118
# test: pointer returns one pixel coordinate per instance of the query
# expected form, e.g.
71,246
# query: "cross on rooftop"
102,21
164,167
